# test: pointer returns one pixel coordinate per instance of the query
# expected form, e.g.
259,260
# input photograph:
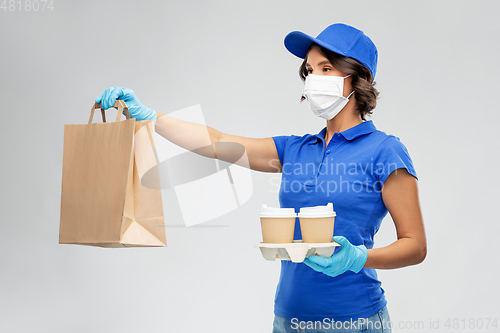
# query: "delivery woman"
364,172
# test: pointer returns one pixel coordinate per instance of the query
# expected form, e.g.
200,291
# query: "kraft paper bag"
103,202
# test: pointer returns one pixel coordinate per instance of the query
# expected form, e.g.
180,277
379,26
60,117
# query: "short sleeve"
391,154
280,142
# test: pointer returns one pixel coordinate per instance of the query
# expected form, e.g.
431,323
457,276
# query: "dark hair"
364,90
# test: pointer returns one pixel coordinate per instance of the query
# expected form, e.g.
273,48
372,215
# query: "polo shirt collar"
366,127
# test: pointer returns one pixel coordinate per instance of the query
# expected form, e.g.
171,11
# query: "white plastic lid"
277,212
317,211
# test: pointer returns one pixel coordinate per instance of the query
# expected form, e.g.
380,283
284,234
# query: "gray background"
438,77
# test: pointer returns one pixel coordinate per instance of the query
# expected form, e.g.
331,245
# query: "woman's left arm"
400,196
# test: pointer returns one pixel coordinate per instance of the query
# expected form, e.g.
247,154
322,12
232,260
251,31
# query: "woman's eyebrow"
324,62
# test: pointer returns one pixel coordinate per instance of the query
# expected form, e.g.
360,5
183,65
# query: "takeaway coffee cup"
278,224
316,223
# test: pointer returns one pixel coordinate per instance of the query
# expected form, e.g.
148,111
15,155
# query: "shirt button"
328,151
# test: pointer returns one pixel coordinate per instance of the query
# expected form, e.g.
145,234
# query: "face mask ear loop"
353,90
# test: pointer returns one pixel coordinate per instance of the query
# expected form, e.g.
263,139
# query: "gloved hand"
349,257
135,108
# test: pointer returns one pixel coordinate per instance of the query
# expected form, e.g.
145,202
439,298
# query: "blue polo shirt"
349,173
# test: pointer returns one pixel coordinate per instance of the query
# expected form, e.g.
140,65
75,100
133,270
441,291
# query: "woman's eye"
309,71
326,69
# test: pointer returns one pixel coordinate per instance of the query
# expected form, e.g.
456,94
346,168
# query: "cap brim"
298,42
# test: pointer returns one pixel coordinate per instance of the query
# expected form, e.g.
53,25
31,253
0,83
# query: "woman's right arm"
256,154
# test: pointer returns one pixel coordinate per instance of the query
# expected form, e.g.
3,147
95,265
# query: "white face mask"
325,95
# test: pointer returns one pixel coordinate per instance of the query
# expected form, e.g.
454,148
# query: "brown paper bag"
102,200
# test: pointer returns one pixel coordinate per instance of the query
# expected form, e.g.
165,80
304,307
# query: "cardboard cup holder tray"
296,251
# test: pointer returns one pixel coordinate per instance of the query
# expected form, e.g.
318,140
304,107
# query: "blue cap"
339,38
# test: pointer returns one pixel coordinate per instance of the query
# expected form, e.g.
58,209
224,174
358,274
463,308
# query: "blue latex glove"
135,108
349,257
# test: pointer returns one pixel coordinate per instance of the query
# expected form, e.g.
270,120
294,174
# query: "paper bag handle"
118,104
